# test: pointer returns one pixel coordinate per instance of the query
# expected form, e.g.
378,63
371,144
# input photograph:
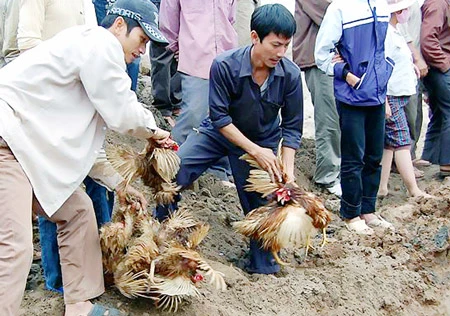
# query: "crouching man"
56,102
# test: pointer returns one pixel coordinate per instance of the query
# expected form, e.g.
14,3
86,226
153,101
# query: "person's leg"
352,121
327,131
79,248
16,240
261,261
102,199
405,168
374,142
133,72
50,255
386,163
160,74
197,153
194,106
431,149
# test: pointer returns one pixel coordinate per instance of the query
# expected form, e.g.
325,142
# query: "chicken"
290,218
157,260
156,166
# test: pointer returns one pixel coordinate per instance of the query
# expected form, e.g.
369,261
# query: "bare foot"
419,193
382,192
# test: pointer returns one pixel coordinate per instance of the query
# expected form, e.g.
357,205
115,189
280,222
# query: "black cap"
143,11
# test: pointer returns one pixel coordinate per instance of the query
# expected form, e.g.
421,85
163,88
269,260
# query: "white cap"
397,5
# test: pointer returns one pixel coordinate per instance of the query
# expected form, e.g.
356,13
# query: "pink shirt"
199,30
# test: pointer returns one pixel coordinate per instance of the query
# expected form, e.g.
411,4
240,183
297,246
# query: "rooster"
157,260
290,218
157,167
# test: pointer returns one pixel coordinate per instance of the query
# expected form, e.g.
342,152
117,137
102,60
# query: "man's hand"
352,80
129,195
161,136
268,161
176,55
388,111
422,66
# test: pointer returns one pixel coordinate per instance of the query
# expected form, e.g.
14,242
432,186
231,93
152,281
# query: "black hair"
110,18
273,18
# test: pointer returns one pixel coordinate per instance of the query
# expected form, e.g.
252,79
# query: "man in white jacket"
56,102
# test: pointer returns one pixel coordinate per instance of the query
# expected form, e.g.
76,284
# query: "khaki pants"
78,240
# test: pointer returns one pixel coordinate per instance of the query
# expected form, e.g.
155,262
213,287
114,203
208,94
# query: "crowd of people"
69,71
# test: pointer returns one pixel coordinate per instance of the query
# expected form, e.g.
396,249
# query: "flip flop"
100,310
421,163
359,227
379,221
444,173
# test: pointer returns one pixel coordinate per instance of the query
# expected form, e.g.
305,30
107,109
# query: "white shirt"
59,98
403,80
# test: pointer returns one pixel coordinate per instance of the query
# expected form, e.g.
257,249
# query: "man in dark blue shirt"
256,100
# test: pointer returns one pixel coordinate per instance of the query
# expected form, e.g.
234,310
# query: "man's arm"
418,60
433,18
169,22
31,22
329,34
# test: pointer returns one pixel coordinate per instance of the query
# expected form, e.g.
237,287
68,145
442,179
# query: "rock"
441,238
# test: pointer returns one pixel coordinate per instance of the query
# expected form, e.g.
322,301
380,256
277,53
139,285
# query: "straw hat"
397,5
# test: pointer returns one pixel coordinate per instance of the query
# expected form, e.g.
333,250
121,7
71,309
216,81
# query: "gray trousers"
166,81
326,120
414,116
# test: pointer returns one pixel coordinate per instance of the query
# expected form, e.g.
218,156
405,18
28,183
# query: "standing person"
350,46
256,100
39,20
9,19
309,15
401,85
56,102
435,45
166,81
197,31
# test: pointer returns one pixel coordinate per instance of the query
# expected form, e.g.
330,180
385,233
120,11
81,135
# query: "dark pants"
103,202
437,139
166,81
198,153
414,116
362,142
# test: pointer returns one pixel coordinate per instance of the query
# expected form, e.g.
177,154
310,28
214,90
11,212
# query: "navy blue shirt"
262,117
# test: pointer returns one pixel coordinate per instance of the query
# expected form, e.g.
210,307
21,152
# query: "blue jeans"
194,109
362,142
200,151
103,202
437,139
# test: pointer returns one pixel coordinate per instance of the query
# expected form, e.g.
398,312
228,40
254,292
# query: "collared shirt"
56,101
9,19
199,30
403,80
435,34
262,117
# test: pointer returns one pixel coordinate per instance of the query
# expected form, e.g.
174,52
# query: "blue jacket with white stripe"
357,30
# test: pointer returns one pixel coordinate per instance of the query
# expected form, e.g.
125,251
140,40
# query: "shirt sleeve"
315,9
330,32
108,87
104,173
31,23
433,19
219,96
292,114
169,22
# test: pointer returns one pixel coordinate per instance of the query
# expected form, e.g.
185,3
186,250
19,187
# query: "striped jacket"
357,30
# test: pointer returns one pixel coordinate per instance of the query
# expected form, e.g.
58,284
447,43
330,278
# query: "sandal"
359,227
100,310
379,221
418,173
421,163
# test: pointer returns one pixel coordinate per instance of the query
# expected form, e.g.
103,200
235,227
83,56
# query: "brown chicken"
157,261
290,218
156,166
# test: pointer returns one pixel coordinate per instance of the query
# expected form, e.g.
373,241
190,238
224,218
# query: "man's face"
133,44
271,49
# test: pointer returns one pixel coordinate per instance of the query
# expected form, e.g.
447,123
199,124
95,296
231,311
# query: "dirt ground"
401,273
